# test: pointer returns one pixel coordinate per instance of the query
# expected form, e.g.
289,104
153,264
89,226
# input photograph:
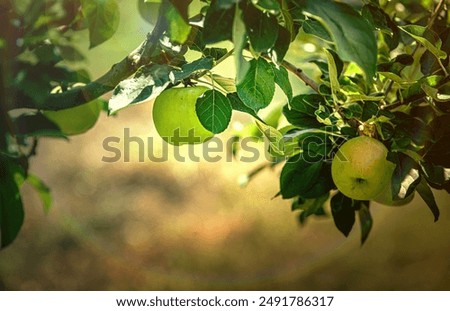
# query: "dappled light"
225,145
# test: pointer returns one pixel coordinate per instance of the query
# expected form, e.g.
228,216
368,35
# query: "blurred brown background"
172,225
190,226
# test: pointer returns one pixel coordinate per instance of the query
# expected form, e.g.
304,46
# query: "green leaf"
182,7
348,131
257,88
215,53
315,28
299,119
103,19
42,190
381,20
307,103
386,130
439,153
439,149
147,83
427,195
178,27
214,111
396,78
353,98
238,105
396,65
353,110
405,176
290,144
270,5
32,85
188,69
323,184
226,4
290,27
48,54
225,83
333,75
262,29
353,35
282,79
239,35
304,215
428,38
445,187
148,10
196,40
281,46
428,62
11,209
302,111
414,130
275,138
314,143
273,116
434,174
323,65
370,110
218,24
435,94
326,116
439,127
70,53
298,176
365,220
310,206
343,213
36,125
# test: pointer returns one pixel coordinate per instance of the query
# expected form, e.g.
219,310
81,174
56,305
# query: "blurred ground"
171,225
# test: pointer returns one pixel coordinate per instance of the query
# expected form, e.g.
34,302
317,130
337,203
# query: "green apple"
175,117
76,120
385,198
360,169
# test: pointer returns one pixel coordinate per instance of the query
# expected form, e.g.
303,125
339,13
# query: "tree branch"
436,12
299,73
142,55
417,97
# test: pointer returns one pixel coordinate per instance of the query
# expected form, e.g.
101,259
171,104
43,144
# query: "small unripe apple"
76,120
175,117
360,169
385,198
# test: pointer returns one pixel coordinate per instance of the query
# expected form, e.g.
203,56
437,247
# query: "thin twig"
415,98
435,13
224,57
300,74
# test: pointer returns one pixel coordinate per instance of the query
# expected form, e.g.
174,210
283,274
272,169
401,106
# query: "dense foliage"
381,70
